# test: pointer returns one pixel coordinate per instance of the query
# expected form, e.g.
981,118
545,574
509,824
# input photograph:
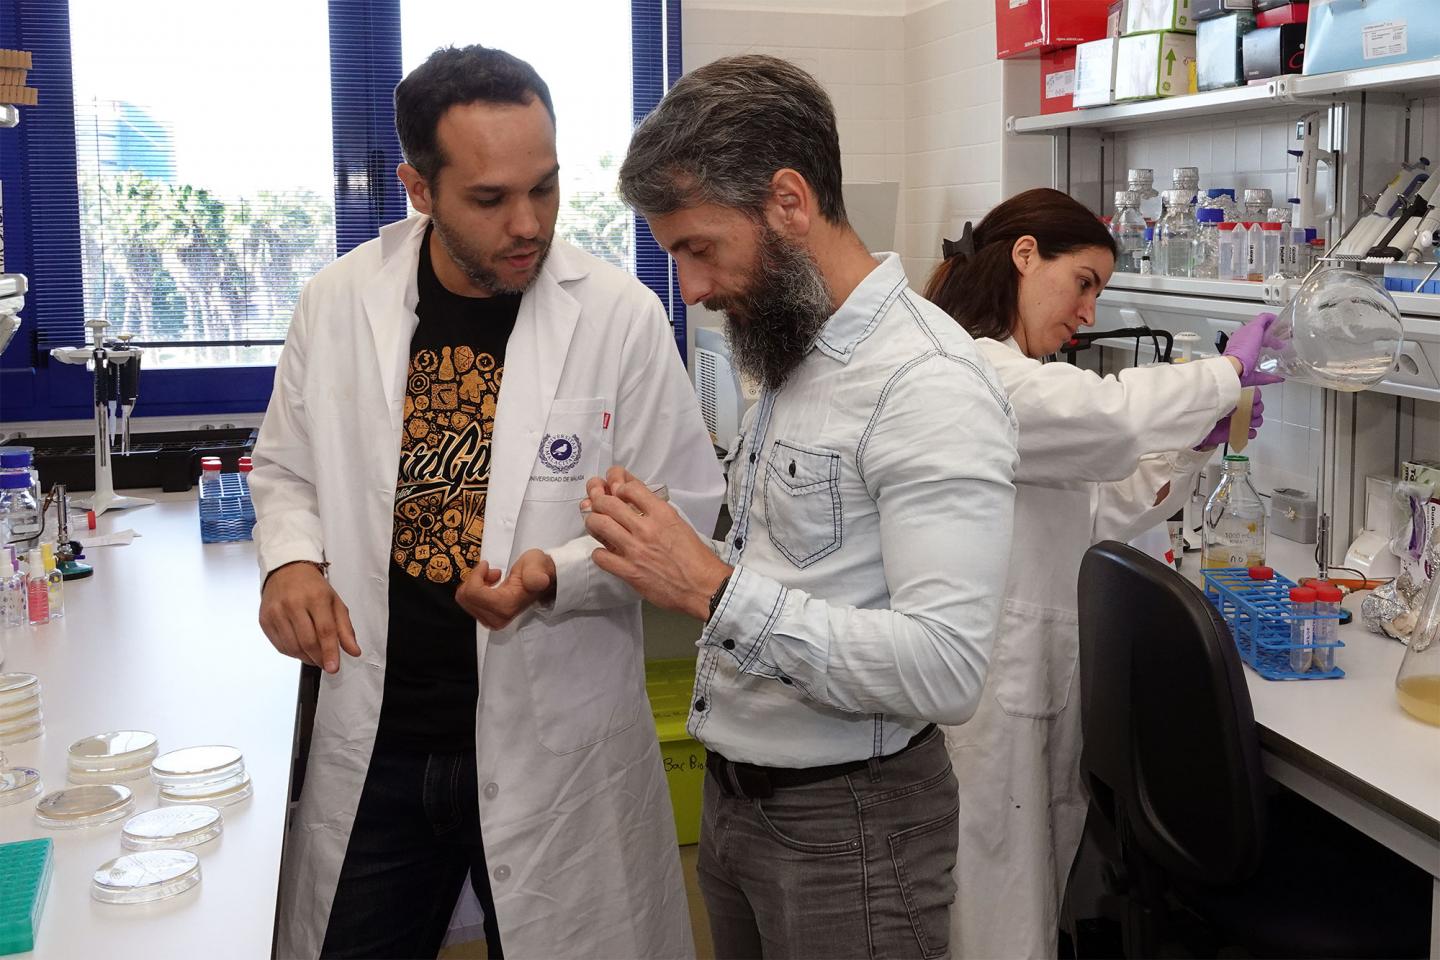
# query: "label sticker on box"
1018,3
1060,84
1384,39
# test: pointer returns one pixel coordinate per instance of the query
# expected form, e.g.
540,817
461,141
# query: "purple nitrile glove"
1220,433
1245,345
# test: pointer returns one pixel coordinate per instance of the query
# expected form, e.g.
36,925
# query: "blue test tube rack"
228,515
1259,615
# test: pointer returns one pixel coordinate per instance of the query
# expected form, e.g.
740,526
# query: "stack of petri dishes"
145,876
88,805
20,716
115,757
172,828
212,775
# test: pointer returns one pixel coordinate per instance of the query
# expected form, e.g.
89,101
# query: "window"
185,183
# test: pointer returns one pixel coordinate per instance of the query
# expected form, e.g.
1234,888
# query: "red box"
1029,27
1057,80
1279,16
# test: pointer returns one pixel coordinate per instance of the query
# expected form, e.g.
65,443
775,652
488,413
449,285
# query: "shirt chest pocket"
573,448
802,502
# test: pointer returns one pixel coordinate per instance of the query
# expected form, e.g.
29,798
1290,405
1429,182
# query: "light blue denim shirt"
872,502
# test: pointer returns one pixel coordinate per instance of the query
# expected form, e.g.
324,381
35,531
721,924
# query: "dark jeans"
416,833
855,866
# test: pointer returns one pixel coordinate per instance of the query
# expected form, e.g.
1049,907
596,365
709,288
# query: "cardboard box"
1148,16
1201,10
1219,43
1030,27
1149,65
1348,35
1057,80
1274,51
1095,72
1279,16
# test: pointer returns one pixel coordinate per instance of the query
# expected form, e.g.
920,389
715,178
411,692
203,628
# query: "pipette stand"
102,356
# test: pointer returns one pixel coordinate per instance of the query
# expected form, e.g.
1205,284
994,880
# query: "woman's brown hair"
980,288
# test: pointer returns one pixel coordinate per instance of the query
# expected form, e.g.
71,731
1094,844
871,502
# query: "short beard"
772,325
472,262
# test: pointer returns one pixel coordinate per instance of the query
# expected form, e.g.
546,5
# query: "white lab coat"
574,809
1093,455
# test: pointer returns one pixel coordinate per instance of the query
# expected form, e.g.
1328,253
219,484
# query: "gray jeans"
855,866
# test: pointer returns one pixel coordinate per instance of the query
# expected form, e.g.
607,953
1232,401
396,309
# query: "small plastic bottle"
1270,243
54,580
37,591
1255,257
12,590
1302,628
246,465
1327,631
1232,252
209,477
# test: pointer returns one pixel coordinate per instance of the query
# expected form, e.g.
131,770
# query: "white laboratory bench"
1346,744
163,638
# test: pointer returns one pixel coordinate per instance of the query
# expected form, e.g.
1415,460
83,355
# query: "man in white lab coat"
444,392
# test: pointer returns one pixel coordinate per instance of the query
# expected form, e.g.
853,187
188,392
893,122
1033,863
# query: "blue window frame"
41,202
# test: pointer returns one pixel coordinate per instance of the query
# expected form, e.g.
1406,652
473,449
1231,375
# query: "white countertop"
162,638
1353,723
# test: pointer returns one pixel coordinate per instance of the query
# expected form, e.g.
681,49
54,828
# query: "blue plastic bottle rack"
228,516
1259,615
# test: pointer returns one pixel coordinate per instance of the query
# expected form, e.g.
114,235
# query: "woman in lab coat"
1100,458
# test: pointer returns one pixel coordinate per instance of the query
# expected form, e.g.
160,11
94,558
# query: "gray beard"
772,325
473,266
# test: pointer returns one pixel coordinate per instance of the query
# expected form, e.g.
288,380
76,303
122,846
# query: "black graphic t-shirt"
457,356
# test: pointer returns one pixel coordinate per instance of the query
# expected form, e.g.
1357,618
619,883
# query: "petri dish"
195,766
15,687
24,705
21,720
122,775
145,876
117,750
22,732
172,828
216,794
18,784
84,806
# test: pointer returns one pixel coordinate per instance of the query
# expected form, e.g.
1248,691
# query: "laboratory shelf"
1411,79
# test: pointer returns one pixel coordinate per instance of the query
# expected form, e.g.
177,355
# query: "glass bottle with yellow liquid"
1417,686
1234,530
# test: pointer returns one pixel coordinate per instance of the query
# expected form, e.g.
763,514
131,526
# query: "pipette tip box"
25,869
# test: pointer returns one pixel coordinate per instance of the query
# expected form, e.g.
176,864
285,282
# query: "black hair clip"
965,246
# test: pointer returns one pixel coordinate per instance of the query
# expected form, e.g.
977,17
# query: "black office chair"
1201,848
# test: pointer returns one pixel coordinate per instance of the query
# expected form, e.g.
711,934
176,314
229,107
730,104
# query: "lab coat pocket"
1036,649
572,449
584,683
802,502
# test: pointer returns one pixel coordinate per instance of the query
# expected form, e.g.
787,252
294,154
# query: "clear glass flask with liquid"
1417,685
1141,180
1235,522
1341,331
1205,262
1174,237
1128,229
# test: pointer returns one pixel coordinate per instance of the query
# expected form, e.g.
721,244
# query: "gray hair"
723,131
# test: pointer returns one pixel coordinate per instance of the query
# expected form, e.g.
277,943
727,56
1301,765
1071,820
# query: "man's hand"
649,546
494,603
305,618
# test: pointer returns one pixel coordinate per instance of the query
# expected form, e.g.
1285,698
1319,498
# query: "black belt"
756,782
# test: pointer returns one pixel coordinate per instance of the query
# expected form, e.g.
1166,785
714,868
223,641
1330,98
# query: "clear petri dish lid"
123,775
171,828
24,705
220,795
193,766
145,876
18,784
117,750
84,806
18,686
20,734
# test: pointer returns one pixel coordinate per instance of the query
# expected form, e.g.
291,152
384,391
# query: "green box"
670,684
1146,16
1150,65
25,868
